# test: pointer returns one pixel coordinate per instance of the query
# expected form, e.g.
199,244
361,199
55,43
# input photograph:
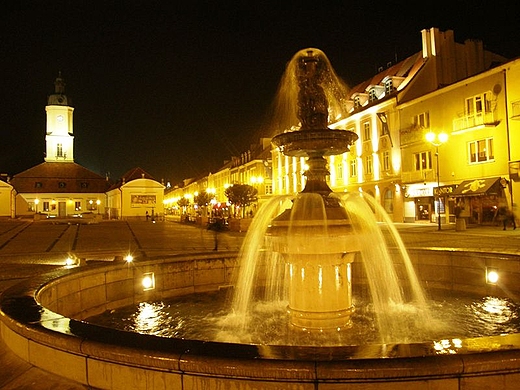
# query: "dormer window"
375,92
391,83
389,86
359,99
372,95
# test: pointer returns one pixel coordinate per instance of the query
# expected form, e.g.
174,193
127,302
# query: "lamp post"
437,140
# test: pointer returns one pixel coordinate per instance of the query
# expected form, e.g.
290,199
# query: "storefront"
423,202
419,203
479,199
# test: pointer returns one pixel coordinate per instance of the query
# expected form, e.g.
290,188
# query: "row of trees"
239,195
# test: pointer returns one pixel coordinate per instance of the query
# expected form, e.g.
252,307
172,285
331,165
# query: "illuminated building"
136,195
58,187
456,88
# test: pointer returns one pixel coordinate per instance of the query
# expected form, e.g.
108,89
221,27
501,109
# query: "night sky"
178,88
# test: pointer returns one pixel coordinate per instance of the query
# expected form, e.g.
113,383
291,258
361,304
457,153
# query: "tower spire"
58,98
59,84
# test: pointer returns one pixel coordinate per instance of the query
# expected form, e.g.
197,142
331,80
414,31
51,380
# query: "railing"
474,120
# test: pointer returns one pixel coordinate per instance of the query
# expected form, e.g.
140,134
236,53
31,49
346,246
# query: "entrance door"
423,209
423,212
62,209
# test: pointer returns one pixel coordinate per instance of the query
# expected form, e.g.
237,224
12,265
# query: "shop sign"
418,192
444,190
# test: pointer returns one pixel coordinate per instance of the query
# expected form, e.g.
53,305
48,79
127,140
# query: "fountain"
317,238
308,254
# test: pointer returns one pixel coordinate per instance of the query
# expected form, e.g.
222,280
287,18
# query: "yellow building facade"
470,95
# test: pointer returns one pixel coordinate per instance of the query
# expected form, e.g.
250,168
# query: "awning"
479,187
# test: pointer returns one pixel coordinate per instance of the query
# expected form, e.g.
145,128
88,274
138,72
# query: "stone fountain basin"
41,320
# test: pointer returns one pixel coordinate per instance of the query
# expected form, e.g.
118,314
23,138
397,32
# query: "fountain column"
315,236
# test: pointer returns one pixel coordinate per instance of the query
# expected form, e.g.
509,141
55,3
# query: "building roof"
132,174
405,68
59,177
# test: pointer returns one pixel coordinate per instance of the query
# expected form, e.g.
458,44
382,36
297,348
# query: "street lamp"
437,140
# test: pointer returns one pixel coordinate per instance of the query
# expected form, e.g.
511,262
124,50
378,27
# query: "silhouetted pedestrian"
507,216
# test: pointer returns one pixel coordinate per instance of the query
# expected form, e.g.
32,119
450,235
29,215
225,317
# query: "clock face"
60,118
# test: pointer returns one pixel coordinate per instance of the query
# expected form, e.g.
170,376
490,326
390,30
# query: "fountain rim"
23,296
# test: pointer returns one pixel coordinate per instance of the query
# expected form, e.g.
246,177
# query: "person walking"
507,217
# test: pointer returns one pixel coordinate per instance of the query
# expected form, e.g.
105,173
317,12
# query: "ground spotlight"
148,281
491,275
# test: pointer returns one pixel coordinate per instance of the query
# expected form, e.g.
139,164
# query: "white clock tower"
59,138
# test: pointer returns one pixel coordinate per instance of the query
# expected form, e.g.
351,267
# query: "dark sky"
177,87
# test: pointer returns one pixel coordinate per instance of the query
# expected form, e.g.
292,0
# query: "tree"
241,195
202,199
183,202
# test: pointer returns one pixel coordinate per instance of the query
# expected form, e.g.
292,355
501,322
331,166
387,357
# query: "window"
353,167
481,151
339,171
38,184
423,161
268,189
372,95
357,102
77,205
84,185
389,86
368,164
422,120
478,104
366,131
45,206
386,160
388,201
59,150
62,184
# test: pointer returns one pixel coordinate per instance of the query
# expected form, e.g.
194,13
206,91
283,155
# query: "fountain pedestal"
320,291
318,259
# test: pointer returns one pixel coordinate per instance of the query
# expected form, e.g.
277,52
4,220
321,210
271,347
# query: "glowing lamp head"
436,139
129,258
443,137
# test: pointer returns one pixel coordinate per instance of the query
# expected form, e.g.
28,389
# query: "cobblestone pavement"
32,247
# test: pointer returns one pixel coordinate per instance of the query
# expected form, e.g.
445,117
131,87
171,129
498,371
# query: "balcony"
469,122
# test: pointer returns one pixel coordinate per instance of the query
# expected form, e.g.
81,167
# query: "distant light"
148,281
129,258
71,262
491,275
